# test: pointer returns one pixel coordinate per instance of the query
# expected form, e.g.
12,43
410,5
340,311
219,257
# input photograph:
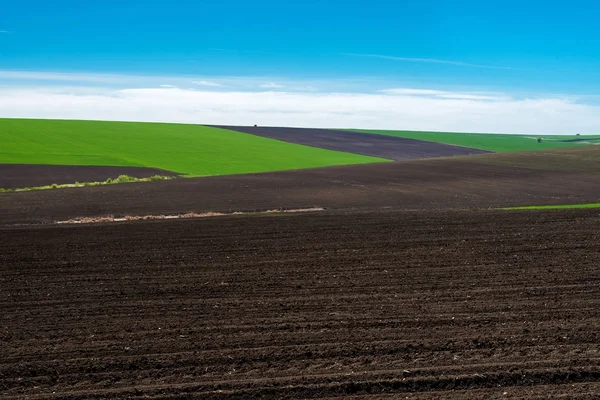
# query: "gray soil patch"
389,147
14,176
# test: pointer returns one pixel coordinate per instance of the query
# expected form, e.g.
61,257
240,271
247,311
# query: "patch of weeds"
109,181
126,179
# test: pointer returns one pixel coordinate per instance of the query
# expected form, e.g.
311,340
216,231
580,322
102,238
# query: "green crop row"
559,207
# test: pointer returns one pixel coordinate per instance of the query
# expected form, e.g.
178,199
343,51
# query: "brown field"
389,147
424,304
573,159
406,286
457,183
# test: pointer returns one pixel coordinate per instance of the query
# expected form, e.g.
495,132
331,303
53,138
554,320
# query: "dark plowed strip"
430,184
24,175
482,304
389,147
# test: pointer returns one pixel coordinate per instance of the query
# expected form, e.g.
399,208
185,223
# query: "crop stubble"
423,304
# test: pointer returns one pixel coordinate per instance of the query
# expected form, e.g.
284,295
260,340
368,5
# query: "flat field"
438,304
494,142
192,150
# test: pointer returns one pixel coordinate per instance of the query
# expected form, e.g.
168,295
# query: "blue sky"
522,48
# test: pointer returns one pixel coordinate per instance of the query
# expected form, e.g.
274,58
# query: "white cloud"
428,61
325,110
444,94
234,83
207,83
113,80
416,92
465,96
271,85
64,77
307,88
168,86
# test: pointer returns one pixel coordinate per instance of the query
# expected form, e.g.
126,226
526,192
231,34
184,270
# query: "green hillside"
492,142
192,150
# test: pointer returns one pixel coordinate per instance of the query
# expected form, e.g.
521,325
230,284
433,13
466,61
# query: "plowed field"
433,184
442,304
390,147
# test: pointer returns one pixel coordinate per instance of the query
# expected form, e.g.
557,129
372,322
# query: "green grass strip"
560,207
109,181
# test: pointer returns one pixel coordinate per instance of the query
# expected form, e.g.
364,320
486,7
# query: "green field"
560,207
492,142
192,150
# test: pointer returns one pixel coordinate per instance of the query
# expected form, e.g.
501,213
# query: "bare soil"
428,184
14,176
419,305
389,147
363,300
572,159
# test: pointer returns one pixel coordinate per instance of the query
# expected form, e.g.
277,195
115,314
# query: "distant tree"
539,140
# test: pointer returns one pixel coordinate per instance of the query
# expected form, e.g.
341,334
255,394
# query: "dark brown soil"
14,176
429,184
572,159
389,147
419,305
